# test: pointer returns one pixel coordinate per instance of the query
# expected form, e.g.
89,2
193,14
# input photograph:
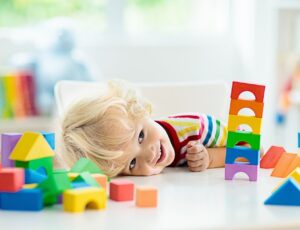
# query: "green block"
45,163
58,171
50,200
85,165
87,178
242,136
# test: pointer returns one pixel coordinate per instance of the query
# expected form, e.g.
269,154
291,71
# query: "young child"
116,131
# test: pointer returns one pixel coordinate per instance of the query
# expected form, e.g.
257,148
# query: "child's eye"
132,164
141,136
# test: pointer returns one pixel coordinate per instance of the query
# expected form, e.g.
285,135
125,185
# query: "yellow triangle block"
31,146
296,175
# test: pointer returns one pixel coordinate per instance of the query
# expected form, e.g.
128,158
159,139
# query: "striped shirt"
184,128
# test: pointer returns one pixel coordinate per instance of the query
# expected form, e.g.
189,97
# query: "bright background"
255,41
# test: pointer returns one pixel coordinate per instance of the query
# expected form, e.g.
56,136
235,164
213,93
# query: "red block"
11,179
121,190
271,157
240,87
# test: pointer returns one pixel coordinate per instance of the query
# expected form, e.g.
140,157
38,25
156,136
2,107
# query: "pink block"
232,169
121,190
8,143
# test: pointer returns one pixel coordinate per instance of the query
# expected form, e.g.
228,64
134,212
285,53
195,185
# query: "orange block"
271,157
101,179
282,167
294,164
240,87
237,105
146,197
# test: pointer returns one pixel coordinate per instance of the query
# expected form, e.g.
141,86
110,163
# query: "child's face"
150,151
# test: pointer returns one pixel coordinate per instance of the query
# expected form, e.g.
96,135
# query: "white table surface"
186,201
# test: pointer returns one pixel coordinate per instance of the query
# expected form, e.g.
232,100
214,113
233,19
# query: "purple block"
232,169
60,199
8,142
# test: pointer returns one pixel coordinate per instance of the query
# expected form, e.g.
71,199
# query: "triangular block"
287,194
31,146
85,165
271,157
281,168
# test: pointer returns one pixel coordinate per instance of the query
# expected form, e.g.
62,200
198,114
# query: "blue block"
24,200
33,177
80,184
50,138
287,194
251,155
298,139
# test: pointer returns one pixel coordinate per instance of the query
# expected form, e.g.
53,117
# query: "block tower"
241,143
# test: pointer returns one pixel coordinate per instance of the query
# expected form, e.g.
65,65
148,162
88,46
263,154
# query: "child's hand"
197,156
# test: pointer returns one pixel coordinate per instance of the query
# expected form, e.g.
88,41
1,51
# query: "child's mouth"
162,154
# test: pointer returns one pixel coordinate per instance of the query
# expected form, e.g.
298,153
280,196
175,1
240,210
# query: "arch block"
238,151
232,169
78,199
237,105
240,87
235,121
240,136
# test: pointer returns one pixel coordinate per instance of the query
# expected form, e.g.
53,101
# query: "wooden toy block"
271,157
232,169
85,165
237,105
72,176
11,179
146,197
24,200
8,143
78,199
101,179
241,136
287,194
235,121
50,138
121,190
239,151
32,176
31,146
282,166
43,165
295,175
298,139
240,87
294,164
29,186
79,184
87,178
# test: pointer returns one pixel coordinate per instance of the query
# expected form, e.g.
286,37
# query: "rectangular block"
242,152
232,169
241,136
281,168
8,143
11,179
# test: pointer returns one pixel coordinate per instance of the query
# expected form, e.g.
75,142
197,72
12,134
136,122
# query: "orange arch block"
240,87
237,105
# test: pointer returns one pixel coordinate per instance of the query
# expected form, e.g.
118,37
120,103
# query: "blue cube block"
50,138
34,177
24,200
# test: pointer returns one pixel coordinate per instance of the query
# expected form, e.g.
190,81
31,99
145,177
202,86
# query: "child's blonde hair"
99,127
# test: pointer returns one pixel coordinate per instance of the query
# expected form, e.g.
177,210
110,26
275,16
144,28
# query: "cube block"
121,190
146,197
11,179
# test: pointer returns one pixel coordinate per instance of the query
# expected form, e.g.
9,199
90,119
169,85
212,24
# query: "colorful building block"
29,186
50,138
232,169
237,105
241,136
31,146
282,166
43,165
87,178
242,152
32,176
234,122
146,197
24,200
79,184
101,179
240,87
121,190
85,165
11,179
271,157
8,143
78,199
72,176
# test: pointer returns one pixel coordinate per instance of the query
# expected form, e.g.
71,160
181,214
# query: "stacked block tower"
237,139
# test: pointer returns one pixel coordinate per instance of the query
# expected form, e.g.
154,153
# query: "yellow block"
29,186
295,175
77,200
72,176
235,121
31,146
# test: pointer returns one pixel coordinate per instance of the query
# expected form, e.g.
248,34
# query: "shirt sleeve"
213,131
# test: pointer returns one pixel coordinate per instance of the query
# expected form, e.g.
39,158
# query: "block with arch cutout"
240,136
77,200
232,169
242,152
240,87
237,105
43,165
235,121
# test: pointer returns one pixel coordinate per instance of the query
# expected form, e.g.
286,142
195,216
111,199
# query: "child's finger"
193,156
195,148
194,164
192,143
197,169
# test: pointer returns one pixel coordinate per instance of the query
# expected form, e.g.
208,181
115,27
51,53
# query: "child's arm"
216,157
